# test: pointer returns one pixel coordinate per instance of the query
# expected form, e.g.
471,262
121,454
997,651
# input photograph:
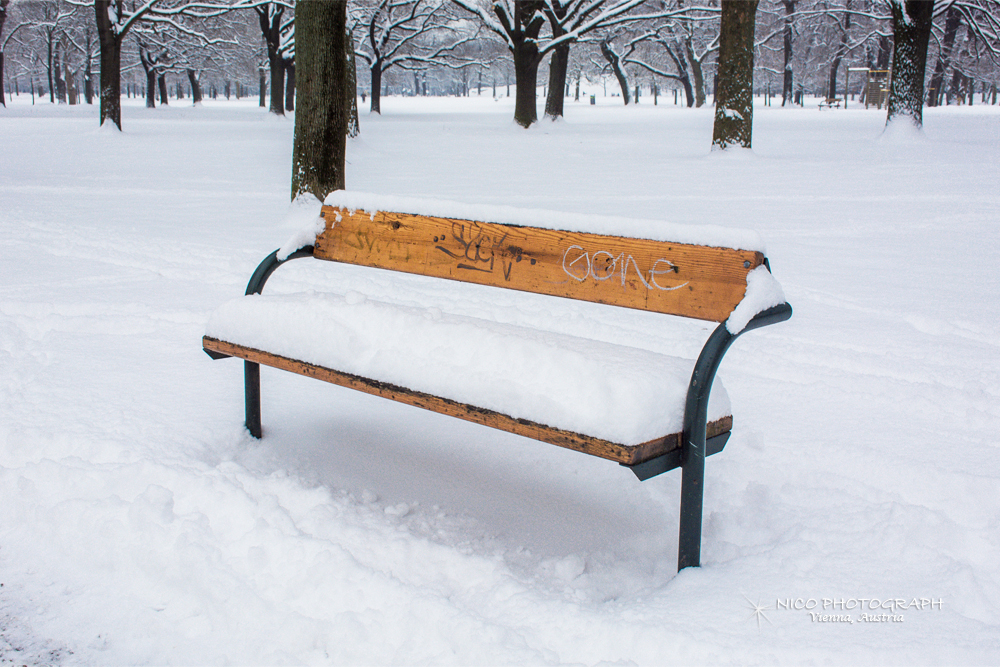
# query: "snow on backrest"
701,282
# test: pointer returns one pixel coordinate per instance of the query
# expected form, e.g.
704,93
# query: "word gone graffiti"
579,264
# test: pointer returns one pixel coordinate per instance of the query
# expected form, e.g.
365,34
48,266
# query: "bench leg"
692,496
251,382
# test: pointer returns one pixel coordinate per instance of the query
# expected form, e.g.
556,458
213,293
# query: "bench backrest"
694,281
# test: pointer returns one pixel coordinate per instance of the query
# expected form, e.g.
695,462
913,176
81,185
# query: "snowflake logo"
758,611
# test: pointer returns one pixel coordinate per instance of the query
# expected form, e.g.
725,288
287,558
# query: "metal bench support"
251,370
693,449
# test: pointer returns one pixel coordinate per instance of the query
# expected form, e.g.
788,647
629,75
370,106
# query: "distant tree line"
83,51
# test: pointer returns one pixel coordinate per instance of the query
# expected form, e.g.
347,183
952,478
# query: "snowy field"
140,524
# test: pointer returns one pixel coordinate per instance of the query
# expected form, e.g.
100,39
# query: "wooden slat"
627,454
693,281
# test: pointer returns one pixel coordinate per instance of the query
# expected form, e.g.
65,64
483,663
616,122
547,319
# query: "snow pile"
620,394
303,215
763,292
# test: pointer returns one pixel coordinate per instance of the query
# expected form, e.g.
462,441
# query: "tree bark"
262,87
911,30
526,61
161,85
682,72
72,92
523,34
884,51
376,103
270,27
616,66
951,22
88,82
558,65
320,144
48,64
3,17
111,65
290,85
150,88
787,83
840,53
277,96
734,82
351,90
195,87
57,68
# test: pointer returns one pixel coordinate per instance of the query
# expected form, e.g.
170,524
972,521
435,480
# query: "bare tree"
115,18
911,29
273,25
519,23
409,34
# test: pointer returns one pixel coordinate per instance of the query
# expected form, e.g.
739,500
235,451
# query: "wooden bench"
830,102
692,281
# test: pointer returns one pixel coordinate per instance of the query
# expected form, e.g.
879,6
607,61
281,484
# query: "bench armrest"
268,266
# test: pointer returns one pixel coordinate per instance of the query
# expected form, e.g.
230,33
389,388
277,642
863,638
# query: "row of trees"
798,45
451,45
725,42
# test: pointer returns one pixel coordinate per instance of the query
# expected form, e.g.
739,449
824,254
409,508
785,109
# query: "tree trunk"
262,87
951,22
955,89
3,17
150,88
734,81
319,151
840,53
88,83
698,74
290,85
195,87
111,65
831,83
677,55
787,82
72,91
351,90
526,60
558,65
277,66
616,66
270,28
161,84
376,103
911,29
57,68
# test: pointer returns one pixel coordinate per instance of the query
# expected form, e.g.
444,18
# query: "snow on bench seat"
611,392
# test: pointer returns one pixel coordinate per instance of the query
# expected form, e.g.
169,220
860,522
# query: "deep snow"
139,523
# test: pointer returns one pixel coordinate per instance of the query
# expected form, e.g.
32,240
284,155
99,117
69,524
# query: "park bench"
830,102
647,411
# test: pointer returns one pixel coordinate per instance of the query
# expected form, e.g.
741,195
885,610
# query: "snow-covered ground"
140,524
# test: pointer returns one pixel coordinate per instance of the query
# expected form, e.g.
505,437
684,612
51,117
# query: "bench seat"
614,401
